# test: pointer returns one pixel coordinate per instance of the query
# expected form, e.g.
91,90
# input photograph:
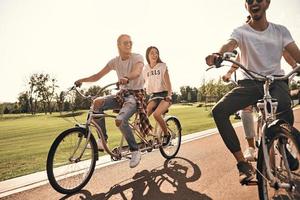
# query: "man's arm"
232,69
294,52
95,77
289,59
135,72
228,47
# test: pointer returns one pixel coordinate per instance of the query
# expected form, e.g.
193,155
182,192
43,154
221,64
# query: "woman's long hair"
147,54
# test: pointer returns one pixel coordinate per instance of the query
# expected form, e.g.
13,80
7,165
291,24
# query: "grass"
25,139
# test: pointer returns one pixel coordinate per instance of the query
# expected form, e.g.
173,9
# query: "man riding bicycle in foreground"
130,99
261,44
246,114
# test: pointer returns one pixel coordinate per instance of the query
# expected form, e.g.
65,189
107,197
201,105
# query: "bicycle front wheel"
172,141
69,164
284,163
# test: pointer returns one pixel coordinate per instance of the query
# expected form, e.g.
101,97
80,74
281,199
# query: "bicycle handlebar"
227,56
75,87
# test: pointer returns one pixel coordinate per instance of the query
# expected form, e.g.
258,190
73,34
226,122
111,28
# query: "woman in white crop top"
157,84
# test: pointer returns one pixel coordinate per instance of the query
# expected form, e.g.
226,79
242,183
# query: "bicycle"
72,157
275,178
259,114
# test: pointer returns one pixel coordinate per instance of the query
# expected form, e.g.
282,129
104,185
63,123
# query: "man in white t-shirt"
261,44
129,67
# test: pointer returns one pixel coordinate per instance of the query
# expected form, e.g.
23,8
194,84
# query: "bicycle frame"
118,153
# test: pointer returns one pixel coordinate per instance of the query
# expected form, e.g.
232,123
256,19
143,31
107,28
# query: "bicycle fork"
273,181
86,127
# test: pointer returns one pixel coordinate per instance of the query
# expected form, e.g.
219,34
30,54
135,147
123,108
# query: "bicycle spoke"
70,164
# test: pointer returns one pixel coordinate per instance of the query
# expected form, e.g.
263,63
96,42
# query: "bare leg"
162,107
150,107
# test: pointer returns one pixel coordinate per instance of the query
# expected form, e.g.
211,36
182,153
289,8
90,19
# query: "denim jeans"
126,111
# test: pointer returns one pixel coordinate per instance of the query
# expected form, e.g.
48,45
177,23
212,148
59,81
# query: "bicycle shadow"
148,185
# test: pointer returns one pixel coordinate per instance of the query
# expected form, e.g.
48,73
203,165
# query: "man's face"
125,44
256,8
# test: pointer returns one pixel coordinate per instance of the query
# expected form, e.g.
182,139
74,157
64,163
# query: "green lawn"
25,140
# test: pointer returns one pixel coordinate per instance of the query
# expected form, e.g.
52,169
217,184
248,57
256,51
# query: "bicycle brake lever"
118,85
210,67
71,88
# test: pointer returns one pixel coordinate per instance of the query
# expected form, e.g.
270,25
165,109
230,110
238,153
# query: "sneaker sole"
247,179
133,166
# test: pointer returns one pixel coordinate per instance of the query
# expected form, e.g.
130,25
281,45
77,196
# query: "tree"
1,109
6,110
24,102
183,92
218,89
199,96
188,93
175,97
189,96
32,93
60,101
41,89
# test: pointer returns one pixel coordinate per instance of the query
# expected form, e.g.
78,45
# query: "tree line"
42,96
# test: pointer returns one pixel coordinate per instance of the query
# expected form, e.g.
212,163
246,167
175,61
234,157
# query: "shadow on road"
169,182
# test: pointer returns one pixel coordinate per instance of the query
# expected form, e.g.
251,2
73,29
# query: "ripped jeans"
126,111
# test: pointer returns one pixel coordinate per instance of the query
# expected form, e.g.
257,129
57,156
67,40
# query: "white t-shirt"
261,51
154,78
124,67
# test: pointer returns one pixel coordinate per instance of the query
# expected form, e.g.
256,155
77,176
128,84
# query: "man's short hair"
122,35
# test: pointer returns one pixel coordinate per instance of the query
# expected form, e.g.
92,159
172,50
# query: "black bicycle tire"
161,149
49,167
260,162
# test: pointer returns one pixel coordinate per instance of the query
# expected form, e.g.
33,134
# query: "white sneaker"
99,145
250,154
135,159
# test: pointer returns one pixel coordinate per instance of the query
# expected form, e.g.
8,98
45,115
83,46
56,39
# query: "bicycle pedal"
249,183
125,148
252,161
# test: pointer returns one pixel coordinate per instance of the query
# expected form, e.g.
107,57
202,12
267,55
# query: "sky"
72,39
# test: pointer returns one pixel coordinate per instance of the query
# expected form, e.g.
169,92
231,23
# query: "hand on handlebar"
214,59
123,81
211,59
78,83
168,99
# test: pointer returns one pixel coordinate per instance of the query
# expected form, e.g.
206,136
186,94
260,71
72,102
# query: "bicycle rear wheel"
284,162
67,171
171,142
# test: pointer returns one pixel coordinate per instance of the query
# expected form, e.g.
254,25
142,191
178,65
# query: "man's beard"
258,17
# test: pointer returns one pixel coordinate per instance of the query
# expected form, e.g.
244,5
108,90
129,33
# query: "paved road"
204,170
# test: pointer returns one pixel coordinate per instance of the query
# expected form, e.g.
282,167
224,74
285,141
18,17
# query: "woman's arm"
168,83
